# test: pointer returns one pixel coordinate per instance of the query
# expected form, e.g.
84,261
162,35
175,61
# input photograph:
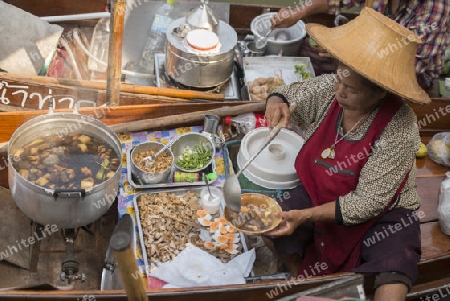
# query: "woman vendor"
357,196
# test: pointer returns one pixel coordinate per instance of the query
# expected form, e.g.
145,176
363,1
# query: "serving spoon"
281,35
150,160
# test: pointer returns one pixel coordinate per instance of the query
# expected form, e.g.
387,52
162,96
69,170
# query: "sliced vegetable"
301,70
195,158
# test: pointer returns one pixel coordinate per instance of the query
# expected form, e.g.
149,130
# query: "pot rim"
82,119
300,24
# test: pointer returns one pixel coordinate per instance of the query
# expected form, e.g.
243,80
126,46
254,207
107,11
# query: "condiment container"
211,203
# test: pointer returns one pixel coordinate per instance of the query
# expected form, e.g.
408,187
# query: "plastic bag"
439,148
444,205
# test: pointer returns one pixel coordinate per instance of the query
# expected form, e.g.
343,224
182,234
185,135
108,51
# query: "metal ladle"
231,187
281,35
262,41
151,159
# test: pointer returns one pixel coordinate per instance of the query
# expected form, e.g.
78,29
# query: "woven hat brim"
394,71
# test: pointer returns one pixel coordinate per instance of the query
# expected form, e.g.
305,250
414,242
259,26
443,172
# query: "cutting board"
25,40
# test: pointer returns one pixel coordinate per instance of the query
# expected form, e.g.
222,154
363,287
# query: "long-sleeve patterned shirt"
429,19
386,167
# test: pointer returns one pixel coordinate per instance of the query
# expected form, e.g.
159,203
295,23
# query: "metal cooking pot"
289,47
65,208
198,70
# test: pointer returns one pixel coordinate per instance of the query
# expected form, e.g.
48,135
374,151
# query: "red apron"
326,180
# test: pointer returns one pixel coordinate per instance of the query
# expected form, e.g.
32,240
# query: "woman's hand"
284,18
276,110
290,221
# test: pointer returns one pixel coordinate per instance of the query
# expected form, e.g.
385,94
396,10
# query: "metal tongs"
231,187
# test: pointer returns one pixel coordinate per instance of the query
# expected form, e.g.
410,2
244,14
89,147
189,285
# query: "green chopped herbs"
194,158
301,70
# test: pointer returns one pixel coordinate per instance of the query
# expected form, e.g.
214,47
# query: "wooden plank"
57,8
111,115
435,244
435,115
428,190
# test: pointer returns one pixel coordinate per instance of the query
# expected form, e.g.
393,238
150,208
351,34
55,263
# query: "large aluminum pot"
197,70
289,45
65,208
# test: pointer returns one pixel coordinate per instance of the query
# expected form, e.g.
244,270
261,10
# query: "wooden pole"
150,90
148,124
114,70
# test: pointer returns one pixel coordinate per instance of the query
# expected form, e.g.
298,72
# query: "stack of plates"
274,167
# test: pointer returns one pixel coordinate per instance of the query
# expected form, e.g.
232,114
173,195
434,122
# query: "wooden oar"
121,244
171,121
168,92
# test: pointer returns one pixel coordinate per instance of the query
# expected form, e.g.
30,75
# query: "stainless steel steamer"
198,70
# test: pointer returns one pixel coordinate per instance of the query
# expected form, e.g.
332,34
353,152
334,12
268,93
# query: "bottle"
243,124
156,40
444,205
99,45
179,176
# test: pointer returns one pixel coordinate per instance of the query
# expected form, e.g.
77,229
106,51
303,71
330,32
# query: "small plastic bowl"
145,177
190,140
211,204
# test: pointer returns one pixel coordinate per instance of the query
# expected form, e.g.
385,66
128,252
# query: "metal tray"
168,184
178,192
270,66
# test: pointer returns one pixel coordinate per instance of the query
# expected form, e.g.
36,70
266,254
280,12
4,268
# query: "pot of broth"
64,169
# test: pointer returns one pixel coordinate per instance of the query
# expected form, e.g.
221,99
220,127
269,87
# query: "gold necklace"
330,152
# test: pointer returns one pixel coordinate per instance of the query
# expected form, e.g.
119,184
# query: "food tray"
269,66
169,183
177,192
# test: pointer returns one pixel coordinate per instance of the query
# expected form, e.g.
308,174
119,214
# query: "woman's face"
354,93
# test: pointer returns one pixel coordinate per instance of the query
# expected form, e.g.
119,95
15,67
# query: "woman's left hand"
290,221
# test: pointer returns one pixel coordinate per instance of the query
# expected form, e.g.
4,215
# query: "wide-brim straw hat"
378,48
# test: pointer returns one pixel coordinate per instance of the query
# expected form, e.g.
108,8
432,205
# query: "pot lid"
274,167
203,17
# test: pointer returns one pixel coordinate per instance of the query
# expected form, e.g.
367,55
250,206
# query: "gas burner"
70,266
170,82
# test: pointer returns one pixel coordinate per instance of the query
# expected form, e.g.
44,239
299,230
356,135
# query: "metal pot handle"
69,192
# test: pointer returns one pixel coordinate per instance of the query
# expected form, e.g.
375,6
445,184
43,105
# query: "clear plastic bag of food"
439,148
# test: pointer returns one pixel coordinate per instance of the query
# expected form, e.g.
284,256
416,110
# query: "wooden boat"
434,275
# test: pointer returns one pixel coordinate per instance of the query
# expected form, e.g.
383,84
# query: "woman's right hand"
276,110
284,18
